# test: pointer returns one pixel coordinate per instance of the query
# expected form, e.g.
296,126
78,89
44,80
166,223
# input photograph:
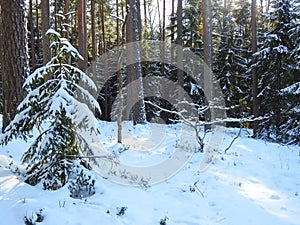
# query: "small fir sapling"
59,106
81,185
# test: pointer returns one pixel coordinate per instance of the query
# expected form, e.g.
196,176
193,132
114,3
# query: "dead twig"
234,139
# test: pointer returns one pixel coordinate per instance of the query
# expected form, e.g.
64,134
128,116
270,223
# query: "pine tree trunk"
82,34
38,39
94,45
145,13
255,106
103,28
118,24
66,10
172,29
207,55
14,59
134,72
45,26
162,48
1,96
179,41
32,34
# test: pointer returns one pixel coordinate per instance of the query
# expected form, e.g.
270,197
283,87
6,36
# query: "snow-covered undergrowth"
254,183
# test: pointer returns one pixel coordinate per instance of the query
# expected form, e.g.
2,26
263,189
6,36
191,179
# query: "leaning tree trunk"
14,58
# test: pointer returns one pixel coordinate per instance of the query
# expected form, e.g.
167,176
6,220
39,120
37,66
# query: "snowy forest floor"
254,183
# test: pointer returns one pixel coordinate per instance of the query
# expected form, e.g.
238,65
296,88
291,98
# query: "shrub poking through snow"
121,211
81,185
37,217
59,107
163,221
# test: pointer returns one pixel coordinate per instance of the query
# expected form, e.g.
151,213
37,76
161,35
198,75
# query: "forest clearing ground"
255,182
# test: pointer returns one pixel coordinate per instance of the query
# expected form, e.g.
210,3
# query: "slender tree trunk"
118,23
66,11
99,29
207,30
58,6
1,95
82,34
162,47
179,41
121,74
94,45
159,17
55,17
145,13
45,26
255,106
164,21
32,35
163,29
122,10
38,39
172,29
103,28
207,54
14,58
135,93
105,112
268,6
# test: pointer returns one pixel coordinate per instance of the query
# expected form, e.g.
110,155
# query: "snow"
292,89
281,49
255,182
53,32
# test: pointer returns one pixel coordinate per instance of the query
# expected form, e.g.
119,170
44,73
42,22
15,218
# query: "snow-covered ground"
254,183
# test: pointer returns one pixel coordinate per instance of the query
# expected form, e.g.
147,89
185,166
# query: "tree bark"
164,21
14,58
163,37
103,28
134,72
1,96
32,35
38,39
66,11
118,23
179,41
207,32
82,34
45,26
255,106
207,55
145,13
94,45
172,29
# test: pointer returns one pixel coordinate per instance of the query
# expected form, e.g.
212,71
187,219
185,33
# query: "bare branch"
234,139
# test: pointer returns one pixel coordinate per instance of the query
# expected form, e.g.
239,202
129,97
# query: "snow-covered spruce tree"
290,128
230,64
57,105
277,69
